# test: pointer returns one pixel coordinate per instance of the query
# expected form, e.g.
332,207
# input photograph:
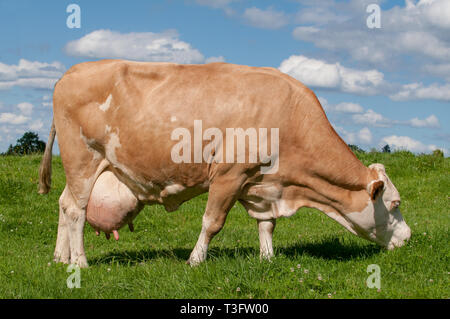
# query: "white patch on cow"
89,142
266,202
198,254
173,189
107,129
379,225
110,153
281,208
258,215
105,106
265,229
173,118
267,209
110,147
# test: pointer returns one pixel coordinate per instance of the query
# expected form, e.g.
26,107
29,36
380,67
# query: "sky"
382,76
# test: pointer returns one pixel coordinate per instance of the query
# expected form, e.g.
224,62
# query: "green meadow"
315,257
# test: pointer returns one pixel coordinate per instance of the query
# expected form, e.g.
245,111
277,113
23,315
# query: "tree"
356,148
29,143
438,153
386,149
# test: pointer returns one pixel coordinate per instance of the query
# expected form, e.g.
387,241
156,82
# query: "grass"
150,262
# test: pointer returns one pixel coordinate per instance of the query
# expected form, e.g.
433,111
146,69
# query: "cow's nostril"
395,204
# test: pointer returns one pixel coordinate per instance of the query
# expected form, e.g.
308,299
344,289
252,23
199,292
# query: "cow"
119,125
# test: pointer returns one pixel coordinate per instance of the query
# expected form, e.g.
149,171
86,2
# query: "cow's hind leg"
222,196
62,249
82,169
265,228
74,217
73,204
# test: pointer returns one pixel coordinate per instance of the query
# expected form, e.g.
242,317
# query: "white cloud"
219,4
30,69
372,118
311,72
363,136
418,29
215,3
425,43
419,91
347,107
32,74
47,101
215,59
11,118
405,142
431,121
343,107
437,12
266,19
5,129
319,15
318,73
440,70
142,46
36,125
25,108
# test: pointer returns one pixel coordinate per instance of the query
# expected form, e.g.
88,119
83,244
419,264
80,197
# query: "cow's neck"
336,179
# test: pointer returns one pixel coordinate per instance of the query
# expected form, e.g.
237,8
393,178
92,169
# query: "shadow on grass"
330,249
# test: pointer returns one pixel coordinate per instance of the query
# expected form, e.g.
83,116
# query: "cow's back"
127,111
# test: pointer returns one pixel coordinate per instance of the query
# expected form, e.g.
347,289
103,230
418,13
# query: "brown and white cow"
115,121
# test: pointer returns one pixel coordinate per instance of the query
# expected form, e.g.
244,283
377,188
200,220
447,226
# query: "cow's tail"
45,171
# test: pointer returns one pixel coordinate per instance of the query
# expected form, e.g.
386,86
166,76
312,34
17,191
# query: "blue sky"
387,85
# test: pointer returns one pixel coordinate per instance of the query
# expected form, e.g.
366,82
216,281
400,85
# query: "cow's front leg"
212,223
265,228
222,196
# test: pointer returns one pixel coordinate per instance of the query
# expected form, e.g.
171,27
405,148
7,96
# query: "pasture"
314,256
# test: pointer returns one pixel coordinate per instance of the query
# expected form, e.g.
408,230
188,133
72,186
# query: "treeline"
28,144
386,149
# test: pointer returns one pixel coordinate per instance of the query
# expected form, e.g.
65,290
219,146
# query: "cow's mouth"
399,238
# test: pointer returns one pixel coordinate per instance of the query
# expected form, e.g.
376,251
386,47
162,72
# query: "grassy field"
315,257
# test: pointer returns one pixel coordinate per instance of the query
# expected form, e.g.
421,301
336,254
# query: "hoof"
193,262
81,262
60,259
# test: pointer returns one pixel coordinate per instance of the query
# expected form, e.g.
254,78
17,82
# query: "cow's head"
380,221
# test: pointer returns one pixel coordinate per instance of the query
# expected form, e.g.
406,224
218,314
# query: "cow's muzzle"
400,237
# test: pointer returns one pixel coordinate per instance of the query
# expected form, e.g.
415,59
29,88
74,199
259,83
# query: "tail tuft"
45,170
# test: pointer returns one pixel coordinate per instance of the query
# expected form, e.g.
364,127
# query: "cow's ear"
375,188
